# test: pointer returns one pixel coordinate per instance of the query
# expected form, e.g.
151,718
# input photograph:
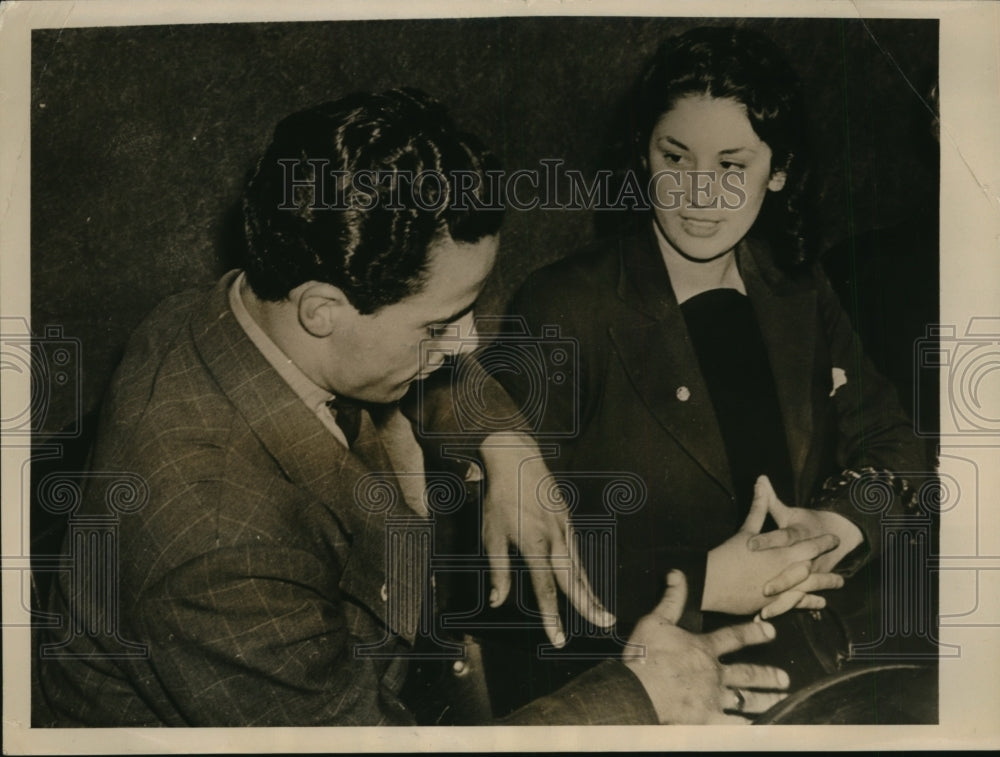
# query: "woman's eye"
437,330
672,157
728,165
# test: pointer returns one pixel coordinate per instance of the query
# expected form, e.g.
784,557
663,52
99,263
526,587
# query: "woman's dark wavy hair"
372,241
742,65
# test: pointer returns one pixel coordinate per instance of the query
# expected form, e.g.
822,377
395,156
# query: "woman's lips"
700,227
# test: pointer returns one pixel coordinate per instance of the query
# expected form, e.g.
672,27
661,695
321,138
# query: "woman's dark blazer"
634,430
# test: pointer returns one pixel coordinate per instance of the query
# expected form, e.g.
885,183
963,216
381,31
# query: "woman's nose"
702,188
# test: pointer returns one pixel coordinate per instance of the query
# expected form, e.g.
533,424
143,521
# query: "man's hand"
796,524
682,674
516,477
741,581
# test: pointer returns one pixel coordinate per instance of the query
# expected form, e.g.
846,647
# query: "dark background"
142,138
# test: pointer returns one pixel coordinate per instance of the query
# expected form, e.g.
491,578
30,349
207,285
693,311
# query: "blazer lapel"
787,320
310,457
659,358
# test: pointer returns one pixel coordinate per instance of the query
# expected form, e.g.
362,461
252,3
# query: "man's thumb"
672,604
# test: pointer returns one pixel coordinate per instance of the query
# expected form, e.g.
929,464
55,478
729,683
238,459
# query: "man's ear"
777,182
321,307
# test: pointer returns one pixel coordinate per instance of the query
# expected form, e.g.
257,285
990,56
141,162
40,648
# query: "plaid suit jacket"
257,576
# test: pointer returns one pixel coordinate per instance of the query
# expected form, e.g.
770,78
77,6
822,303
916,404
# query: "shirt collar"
308,391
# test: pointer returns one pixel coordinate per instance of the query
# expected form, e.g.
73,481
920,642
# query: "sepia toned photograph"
498,368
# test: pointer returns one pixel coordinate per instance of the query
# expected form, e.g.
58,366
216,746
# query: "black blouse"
734,363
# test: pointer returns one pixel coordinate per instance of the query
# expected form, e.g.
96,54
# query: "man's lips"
421,375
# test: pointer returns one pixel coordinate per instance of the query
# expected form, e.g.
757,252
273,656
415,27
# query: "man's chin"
396,393
400,391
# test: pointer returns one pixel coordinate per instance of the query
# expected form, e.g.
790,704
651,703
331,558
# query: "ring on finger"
741,700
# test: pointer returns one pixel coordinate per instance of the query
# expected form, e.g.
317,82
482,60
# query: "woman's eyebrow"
734,150
674,142
727,151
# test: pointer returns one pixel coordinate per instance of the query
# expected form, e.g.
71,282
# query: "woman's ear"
777,182
321,307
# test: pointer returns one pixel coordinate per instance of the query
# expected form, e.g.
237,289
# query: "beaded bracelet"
871,489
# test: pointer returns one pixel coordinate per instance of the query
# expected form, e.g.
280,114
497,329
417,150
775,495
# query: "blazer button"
385,593
683,393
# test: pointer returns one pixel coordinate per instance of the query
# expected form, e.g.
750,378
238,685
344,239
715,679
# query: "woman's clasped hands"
774,572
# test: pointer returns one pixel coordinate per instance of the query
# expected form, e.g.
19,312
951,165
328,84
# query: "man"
258,579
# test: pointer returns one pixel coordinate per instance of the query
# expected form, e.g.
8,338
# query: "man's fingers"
748,676
671,606
495,545
782,537
721,719
732,638
544,585
578,589
791,576
755,702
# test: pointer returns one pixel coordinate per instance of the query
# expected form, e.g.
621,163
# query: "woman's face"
709,174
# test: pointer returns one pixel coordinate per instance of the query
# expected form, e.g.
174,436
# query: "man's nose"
468,336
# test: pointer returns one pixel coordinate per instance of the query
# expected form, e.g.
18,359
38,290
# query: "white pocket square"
839,379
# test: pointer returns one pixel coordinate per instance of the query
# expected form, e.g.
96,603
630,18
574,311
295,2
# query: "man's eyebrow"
455,316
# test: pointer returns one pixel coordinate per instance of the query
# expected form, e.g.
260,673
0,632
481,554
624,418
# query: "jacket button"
385,593
683,393
459,668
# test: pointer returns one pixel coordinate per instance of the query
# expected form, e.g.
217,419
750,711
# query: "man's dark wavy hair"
373,242
742,65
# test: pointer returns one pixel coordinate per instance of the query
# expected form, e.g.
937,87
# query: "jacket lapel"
659,358
310,457
786,314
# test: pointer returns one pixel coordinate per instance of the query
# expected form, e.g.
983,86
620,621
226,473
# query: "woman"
714,359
